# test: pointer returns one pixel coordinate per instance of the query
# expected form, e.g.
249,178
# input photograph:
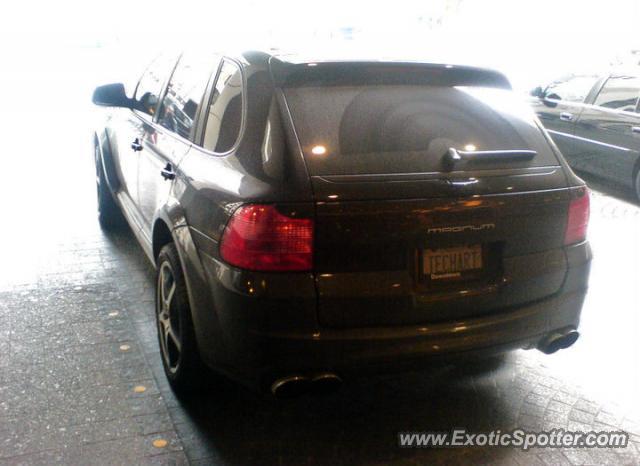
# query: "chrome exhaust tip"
325,383
293,386
557,341
290,386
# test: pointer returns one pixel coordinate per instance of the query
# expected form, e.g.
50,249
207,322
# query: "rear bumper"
355,350
263,340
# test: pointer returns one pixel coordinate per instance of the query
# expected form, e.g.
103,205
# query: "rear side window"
620,93
224,115
384,129
148,90
185,93
572,88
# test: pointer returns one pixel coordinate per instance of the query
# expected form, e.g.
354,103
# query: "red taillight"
258,237
577,219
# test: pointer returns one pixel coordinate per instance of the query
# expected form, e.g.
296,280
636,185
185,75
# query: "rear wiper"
454,156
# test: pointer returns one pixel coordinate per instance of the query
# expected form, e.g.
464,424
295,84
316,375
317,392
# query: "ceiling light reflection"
318,150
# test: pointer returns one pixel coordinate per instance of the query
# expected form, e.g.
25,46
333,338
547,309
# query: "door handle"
635,129
566,116
167,172
136,146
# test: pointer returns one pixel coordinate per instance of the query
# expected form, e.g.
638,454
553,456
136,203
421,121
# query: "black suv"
595,120
313,219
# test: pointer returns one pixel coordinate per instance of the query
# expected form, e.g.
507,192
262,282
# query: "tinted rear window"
408,129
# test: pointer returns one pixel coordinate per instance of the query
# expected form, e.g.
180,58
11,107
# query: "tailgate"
433,202
389,261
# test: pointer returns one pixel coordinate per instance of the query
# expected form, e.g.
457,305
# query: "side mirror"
537,92
551,100
111,95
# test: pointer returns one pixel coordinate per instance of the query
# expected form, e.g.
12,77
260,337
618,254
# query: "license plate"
451,262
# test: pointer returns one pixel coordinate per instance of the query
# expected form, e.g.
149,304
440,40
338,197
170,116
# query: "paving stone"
153,423
608,418
43,458
552,457
581,416
168,459
101,431
586,406
554,419
146,405
558,407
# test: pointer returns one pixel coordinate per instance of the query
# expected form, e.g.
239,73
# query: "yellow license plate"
451,262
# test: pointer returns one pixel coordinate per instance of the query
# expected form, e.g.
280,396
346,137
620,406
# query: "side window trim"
604,83
197,119
135,91
243,117
165,89
206,101
595,90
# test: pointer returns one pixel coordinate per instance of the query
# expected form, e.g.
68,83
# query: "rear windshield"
382,129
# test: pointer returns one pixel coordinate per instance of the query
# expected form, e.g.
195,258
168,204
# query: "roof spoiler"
376,73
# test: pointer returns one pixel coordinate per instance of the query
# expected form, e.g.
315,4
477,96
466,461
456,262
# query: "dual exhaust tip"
558,340
296,385
293,386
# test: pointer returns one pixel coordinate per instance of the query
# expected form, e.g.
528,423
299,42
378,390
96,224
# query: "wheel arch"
101,142
167,231
161,236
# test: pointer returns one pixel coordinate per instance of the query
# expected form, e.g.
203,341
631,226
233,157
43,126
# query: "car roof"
286,61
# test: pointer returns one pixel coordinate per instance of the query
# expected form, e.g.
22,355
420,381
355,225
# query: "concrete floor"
77,338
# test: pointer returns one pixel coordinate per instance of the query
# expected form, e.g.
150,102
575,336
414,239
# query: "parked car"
595,121
310,220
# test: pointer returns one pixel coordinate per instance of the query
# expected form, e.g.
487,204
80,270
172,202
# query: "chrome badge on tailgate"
462,228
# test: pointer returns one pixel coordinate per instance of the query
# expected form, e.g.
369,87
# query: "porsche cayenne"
311,218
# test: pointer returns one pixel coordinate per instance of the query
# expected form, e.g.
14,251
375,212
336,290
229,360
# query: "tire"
636,185
176,337
109,215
